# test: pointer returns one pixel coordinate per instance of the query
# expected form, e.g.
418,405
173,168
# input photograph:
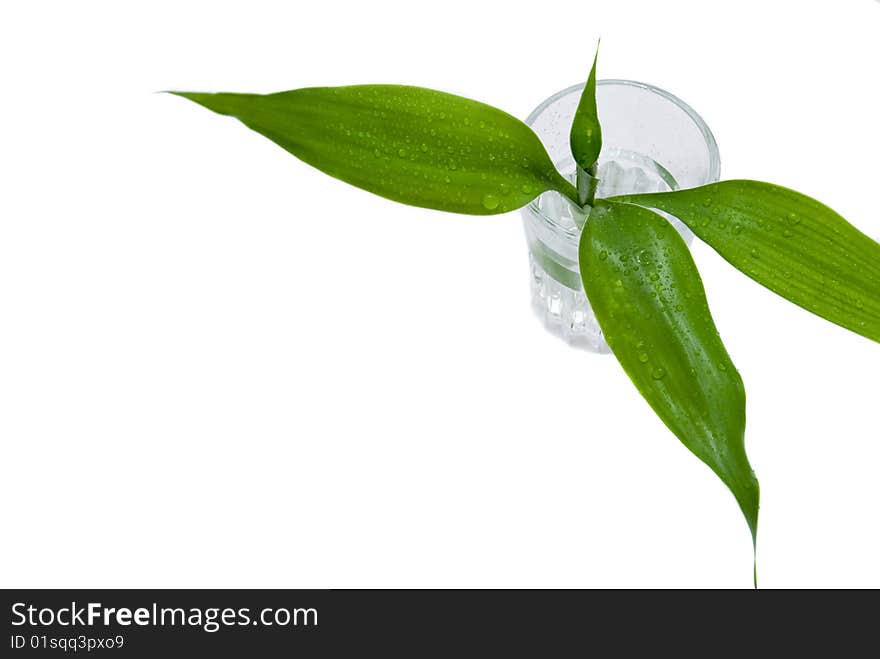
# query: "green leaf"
788,242
586,138
649,300
410,144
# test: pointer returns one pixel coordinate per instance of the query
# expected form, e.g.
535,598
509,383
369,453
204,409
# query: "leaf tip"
219,102
749,499
192,96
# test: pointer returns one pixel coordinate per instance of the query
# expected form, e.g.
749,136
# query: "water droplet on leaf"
490,202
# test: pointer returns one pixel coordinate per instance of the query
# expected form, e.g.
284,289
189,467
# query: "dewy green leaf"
649,300
410,144
586,138
788,242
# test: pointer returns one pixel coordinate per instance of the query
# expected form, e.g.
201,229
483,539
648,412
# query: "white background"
219,367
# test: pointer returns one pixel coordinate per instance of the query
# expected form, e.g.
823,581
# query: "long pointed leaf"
586,138
649,300
790,243
414,145
586,133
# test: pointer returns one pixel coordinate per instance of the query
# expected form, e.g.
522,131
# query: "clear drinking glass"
651,142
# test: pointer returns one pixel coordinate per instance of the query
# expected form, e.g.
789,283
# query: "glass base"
564,312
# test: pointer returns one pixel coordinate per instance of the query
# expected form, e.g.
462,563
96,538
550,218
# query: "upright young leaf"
649,300
586,138
790,243
414,145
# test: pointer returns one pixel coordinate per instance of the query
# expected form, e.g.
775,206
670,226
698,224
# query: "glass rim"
714,154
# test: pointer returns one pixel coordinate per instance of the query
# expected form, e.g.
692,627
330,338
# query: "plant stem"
586,186
594,182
